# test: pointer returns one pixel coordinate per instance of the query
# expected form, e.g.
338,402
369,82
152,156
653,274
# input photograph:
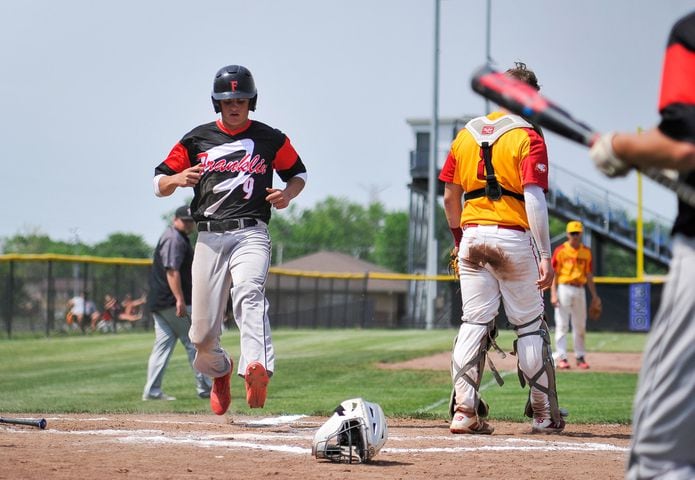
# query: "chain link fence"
37,291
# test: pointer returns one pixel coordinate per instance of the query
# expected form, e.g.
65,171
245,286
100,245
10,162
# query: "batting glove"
605,159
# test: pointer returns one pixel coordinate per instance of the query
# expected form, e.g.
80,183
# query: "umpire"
170,303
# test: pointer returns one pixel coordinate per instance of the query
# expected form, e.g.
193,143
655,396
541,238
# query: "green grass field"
315,370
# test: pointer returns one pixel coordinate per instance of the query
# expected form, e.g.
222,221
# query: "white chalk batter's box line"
294,443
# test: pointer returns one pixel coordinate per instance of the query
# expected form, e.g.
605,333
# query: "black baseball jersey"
677,104
173,252
238,167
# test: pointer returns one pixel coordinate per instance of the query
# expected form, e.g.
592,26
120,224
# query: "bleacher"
607,215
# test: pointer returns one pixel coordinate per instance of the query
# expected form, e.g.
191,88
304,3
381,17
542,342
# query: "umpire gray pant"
168,328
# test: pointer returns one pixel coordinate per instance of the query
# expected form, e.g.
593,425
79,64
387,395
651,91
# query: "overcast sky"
94,94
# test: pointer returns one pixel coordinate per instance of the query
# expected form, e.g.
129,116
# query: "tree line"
370,233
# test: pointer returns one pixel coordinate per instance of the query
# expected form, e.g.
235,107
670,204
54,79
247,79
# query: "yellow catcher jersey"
519,157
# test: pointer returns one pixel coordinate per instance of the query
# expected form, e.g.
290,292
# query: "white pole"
432,181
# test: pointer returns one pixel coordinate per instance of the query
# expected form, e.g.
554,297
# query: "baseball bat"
524,100
34,422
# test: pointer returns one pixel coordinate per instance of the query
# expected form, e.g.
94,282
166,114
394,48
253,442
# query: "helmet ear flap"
216,105
252,103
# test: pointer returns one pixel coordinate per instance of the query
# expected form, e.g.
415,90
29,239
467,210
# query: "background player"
498,165
230,164
573,271
169,300
664,411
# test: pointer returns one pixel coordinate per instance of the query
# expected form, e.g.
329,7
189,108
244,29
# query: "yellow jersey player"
495,178
573,271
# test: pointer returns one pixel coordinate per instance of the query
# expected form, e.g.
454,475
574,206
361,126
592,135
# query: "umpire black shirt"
173,251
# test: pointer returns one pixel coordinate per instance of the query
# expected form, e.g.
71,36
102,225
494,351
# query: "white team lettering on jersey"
229,185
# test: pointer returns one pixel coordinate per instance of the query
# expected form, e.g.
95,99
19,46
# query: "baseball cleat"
256,385
221,394
546,425
462,423
581,363
563,364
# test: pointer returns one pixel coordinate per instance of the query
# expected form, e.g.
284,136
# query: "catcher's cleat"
546,425
256,385
581,363
461,423
563,364
221,394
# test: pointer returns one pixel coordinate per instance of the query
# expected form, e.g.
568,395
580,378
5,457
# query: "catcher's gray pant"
572,308
238,259
167,329
664,411
499,264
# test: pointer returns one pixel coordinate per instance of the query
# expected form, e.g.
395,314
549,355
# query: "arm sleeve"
537,213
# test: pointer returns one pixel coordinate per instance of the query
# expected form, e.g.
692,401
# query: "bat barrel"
33,422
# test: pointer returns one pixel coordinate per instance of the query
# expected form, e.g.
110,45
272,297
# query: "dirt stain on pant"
498,260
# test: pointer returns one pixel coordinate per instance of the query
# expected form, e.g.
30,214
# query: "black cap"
184,213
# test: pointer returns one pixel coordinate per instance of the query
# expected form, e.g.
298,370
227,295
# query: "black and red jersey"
677,103
237,165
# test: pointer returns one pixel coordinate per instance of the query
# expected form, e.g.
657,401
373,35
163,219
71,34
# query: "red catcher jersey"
238,167
572,265
519,158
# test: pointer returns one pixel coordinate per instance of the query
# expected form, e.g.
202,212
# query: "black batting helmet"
233,81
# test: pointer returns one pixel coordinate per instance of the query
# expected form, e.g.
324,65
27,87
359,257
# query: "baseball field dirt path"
210,447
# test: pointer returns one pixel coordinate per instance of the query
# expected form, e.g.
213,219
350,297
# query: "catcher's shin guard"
547,367
459,371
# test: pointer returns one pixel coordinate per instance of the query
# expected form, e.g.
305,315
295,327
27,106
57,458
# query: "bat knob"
42,423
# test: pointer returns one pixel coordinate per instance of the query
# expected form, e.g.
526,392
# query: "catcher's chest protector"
489,131
486,132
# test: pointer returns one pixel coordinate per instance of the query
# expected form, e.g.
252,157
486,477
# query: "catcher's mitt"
454,262
595,308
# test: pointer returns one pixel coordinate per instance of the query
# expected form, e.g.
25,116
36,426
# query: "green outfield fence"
35,290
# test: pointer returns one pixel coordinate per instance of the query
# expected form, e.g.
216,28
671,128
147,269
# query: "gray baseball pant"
664,411
238,260
167,329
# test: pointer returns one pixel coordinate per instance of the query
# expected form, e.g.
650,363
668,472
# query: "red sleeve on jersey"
677,76
554,261
178,159
534,168
447,173
286,156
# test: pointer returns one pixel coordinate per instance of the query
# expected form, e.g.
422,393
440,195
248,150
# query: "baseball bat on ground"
524,100
34,422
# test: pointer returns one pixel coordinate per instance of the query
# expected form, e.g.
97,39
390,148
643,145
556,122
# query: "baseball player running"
572,264
498,166
664,410
230,163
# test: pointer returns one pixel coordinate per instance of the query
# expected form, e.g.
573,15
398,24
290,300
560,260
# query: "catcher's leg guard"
477,363
547,368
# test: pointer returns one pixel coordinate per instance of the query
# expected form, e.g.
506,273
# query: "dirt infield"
599,362
209,447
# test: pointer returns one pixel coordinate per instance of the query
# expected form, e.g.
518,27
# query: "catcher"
572,264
